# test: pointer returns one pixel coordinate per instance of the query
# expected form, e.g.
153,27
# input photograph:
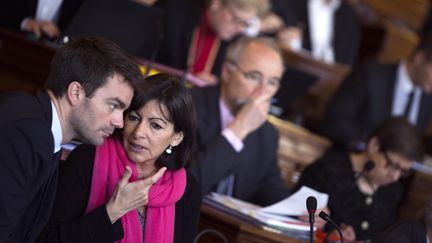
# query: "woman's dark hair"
170,92
90,61
397,135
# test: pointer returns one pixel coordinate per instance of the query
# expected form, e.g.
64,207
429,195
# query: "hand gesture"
39,27
130,195
319,222
252,114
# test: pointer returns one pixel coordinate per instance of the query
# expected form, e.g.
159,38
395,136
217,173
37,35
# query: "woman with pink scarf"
134,187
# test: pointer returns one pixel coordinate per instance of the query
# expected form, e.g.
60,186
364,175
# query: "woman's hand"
128,196
319,222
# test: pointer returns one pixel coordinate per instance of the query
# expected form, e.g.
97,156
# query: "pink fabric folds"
109,166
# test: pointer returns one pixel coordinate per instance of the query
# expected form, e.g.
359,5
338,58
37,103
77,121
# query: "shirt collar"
56,129
404,80
332,5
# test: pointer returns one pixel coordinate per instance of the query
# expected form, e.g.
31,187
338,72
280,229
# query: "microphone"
327,218
311,205
366,169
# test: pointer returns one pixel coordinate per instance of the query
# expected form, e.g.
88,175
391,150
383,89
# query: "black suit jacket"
405,232
67,223
180,19
12,12
257,175
364,101
346,28
28,166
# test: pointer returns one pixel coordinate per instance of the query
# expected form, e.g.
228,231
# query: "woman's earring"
169,150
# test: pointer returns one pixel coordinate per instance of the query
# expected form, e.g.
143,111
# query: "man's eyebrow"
121,104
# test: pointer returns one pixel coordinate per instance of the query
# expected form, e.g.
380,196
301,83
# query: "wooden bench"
298,147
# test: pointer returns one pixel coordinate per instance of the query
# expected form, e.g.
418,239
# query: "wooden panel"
329,78
24,64
397,44
298,147
405,12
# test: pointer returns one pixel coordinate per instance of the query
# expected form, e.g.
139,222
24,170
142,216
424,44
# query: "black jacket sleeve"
188,212
68,222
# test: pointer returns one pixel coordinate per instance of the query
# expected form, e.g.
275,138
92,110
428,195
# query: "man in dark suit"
91,82
374,92
341,32
237,147
328,29
38,17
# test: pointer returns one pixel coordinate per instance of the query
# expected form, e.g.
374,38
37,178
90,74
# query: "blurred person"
363,199
237,147
91,82
97,184
329,29
374,92
414,231
40,17
196,33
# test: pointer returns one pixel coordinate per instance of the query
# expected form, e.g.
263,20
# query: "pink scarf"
110,161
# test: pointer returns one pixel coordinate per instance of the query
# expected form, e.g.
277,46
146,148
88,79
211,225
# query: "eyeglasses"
255,76
396,167
244,23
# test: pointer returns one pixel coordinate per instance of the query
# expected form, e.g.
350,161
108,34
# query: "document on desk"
295,205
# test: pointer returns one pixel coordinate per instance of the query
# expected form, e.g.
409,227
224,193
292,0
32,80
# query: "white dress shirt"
403,88
321,18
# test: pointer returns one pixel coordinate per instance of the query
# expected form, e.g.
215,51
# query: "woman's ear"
74,93
177,139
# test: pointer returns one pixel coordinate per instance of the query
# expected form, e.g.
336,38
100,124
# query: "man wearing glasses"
237,153
364,202
196,33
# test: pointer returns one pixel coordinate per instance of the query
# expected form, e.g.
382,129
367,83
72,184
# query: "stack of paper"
276,215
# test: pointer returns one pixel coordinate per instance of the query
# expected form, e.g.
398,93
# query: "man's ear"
226,71
178,138
214,5
373,145
74,93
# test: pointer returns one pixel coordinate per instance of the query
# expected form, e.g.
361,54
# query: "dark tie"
409,104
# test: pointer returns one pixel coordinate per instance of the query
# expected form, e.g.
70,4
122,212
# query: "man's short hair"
261,6
90,61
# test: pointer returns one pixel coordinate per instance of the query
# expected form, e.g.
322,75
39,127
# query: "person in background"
237,147
40,17
329,29
97,183
196,33
414,231
374,92
91,82
364,188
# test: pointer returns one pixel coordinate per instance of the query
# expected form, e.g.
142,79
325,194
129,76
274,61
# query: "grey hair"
261,6
236,48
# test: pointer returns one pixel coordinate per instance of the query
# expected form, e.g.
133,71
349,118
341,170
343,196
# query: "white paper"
295,205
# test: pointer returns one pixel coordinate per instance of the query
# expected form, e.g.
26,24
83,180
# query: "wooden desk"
24,64
235,230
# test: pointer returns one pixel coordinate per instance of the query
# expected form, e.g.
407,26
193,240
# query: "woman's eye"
156,126
133,117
